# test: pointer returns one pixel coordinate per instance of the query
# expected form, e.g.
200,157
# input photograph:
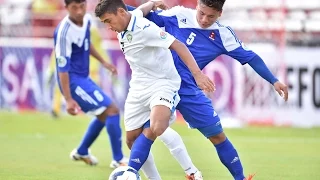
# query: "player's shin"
90,136
140,150
114,131
150,170
174,143
230,158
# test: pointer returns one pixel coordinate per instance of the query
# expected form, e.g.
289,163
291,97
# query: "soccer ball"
124,173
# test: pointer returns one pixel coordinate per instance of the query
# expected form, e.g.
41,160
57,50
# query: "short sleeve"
63,50
161,16
234,47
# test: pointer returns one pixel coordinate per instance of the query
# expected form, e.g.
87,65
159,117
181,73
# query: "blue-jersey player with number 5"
206,39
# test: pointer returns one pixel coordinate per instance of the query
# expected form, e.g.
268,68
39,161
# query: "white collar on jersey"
84,25
132,23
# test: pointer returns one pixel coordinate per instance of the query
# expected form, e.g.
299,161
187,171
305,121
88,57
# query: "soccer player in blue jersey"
206,39
73,47
153,93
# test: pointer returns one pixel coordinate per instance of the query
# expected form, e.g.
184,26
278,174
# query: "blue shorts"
198,112
89,95
146,125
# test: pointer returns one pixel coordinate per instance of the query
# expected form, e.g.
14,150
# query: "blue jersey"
72,47
72,50
204,44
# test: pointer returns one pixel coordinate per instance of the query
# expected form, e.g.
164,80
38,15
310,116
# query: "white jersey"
146,48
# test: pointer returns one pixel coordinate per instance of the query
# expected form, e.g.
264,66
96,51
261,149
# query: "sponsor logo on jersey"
146,26
164,99
184,21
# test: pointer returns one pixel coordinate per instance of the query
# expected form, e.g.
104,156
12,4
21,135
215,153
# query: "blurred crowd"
294,22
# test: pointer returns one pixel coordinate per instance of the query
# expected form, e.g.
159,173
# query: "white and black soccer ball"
124,173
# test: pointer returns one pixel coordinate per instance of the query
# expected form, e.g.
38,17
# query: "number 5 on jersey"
191,38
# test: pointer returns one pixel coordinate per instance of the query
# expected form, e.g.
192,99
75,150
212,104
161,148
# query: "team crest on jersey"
129,38
163,35
212,36
61,61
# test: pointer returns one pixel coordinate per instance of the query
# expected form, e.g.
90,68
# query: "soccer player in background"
94,67
72,45
152,96
56,104
206,39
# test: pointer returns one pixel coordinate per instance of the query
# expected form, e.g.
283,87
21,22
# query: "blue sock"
140,152
230,158
90,136
114,131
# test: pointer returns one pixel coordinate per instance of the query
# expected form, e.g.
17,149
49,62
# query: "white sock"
174,143
149,169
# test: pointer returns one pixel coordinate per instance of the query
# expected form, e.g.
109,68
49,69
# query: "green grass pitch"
36,147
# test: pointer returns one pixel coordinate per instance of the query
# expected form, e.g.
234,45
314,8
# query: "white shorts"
138,106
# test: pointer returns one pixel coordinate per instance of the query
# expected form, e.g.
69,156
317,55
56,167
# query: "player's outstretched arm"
233,47
152,16
261,68
105,64
202,80
130,8
152,5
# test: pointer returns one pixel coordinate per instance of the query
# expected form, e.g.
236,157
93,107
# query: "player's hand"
204,82
159,4
73,107
282,89
111,68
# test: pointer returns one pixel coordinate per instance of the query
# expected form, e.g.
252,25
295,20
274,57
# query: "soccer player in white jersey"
206,39
153,93
72,48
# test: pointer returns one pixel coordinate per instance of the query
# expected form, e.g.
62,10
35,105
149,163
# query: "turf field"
35,146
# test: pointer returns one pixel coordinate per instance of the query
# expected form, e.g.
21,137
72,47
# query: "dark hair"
215,4
67,2
109,6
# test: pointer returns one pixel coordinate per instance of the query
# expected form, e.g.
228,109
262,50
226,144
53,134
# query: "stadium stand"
294,21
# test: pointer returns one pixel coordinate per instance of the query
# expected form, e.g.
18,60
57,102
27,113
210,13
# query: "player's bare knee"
217,139
129,143
131,136
159,123
112,110
158,129
103,116
148,133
